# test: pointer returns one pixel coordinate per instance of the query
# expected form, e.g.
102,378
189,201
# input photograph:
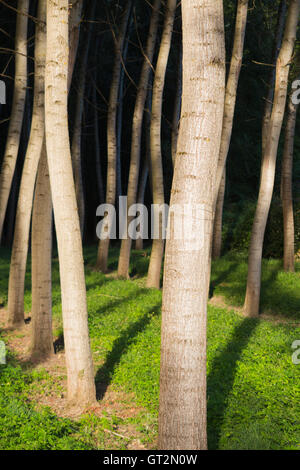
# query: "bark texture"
17,112
41,248
153,277
251,306
80,372
182,409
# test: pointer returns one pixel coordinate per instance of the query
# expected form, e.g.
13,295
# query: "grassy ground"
253,386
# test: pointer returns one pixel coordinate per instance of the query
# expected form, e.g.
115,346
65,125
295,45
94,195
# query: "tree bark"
80,372
251,306
23,215
41,249
287,189
182,409
102,257
124,259
17,112
153,278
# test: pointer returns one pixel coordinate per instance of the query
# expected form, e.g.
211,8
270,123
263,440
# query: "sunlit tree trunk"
102,258
80,372
153,278
124,259
17,112
251,306
23,215
41,248
287,189
182,408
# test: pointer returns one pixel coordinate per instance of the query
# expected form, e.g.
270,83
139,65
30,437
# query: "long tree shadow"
221,378
121,345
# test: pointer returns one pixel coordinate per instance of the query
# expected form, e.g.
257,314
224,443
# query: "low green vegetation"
253,386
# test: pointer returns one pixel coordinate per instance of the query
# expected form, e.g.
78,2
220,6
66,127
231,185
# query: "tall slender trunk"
287,189
102,257
80,373
217,230
270,95
74,30
77,132
251,306
17,112
137,123
41,248
120,110
177,108
182,408
99,177
153,278
229,108
23,215
146,164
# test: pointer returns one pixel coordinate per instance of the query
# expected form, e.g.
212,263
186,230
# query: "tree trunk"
153,278
177,108
146,165
287,189
17,112
217,231
231,86
124,259
76,140
120,109
102,258
23,215
99,177
251,306
41,248
74,30
269,99
182,409
80,372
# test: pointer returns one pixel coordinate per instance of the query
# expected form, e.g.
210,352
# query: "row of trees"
52,176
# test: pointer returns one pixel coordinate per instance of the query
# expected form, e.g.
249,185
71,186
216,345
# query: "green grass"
253,386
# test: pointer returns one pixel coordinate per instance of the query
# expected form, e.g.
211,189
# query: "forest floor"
253,385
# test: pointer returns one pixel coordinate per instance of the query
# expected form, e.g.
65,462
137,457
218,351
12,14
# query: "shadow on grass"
221,378
121,345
